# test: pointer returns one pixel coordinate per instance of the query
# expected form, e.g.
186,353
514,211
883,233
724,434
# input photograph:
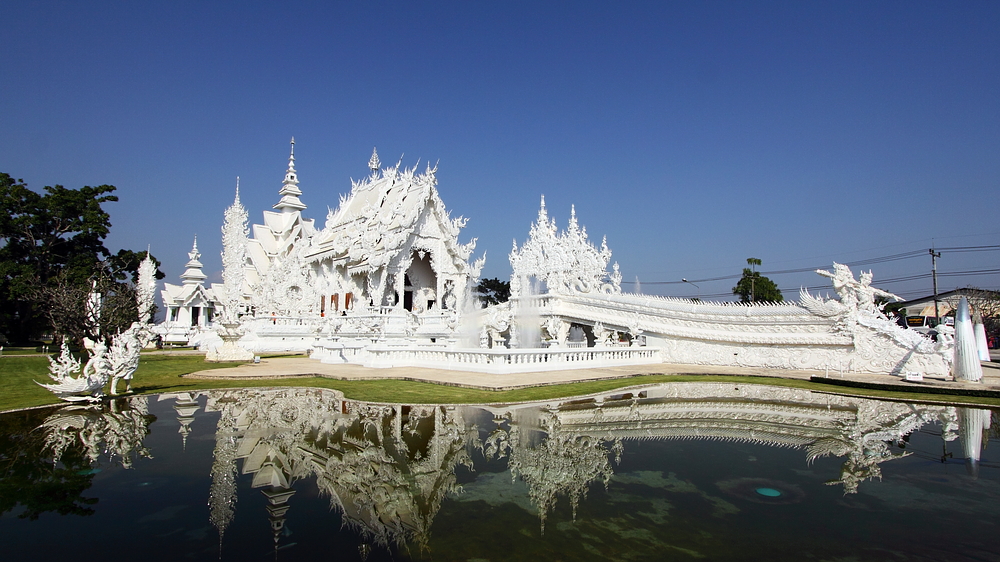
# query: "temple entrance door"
407,293
420,284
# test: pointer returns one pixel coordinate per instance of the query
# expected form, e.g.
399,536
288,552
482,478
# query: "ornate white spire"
290,187
234,251
574,226
193,274
373,162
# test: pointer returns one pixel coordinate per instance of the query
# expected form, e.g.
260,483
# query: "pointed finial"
195,247
543,201
373,162
237,188
572,212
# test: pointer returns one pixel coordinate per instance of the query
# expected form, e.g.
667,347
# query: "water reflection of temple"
385,468
388,468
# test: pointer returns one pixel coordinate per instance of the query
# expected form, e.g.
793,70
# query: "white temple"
386,282
190,306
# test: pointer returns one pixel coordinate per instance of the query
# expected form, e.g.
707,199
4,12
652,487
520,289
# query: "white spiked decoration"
146,287
980,330
966,366
234,258
373,162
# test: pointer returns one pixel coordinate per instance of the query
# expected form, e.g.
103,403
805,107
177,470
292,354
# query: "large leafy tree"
754,287
493,291
52,254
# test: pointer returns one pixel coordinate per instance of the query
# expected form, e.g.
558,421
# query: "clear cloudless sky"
692,134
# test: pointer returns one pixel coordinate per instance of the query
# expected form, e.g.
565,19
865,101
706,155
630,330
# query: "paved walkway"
284,367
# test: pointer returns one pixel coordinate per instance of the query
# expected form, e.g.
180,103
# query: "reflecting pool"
680,471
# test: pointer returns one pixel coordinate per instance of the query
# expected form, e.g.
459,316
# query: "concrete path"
284,367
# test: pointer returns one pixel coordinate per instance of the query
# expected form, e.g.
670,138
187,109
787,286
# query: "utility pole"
934,257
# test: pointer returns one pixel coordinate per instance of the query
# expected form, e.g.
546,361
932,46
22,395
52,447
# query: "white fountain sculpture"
967,366
113,363
234,256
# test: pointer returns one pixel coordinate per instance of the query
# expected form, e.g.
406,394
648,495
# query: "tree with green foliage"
493,291
53,253
754,287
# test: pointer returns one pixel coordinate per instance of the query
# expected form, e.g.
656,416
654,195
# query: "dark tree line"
52,258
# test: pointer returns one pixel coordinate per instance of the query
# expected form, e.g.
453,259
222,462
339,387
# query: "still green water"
681,471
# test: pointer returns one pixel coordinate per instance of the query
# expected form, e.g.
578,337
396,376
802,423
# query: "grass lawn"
161,373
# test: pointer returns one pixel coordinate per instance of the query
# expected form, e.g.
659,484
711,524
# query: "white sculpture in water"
107,363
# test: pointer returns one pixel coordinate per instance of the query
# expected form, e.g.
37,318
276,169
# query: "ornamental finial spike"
237,189
373,162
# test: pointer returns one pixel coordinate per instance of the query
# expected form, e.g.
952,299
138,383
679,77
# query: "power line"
869,261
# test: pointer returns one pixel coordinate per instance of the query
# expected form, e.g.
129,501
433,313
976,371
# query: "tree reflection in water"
47,466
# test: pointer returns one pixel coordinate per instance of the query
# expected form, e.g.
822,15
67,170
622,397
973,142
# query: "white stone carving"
566,262
234,258
109,363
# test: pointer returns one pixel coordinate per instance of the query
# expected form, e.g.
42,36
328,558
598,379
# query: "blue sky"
692,134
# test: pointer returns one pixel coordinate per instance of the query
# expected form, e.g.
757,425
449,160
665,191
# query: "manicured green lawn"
161,373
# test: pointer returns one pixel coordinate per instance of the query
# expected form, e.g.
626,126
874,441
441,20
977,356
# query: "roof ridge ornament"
373,162
193,275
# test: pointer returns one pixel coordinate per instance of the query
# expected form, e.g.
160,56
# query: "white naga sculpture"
107,363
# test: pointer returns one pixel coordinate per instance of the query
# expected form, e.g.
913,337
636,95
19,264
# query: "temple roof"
193,275
290,191
374,222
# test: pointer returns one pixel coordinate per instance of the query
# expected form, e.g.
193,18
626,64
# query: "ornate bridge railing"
500,361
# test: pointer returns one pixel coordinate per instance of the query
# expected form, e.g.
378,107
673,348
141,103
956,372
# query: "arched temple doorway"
420,284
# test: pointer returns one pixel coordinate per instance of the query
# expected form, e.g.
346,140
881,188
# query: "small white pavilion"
189,306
